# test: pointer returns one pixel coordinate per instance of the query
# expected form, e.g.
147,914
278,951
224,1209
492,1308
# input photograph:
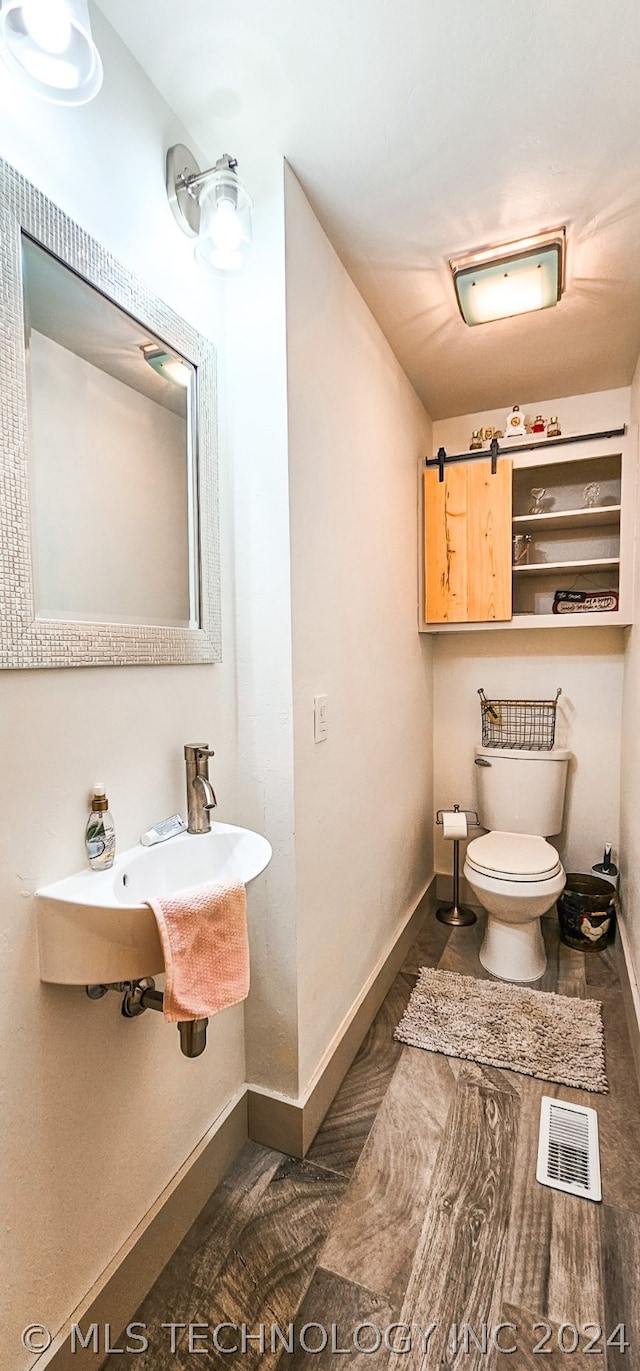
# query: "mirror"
111,458
111,465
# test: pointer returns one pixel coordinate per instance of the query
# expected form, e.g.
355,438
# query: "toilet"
515,874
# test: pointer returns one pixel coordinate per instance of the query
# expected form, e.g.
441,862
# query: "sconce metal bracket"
181,168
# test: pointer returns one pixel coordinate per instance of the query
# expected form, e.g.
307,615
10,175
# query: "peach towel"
203,932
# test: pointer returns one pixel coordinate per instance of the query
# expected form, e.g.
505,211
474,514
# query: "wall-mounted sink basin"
93,928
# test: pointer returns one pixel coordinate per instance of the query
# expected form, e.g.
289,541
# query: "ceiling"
420,129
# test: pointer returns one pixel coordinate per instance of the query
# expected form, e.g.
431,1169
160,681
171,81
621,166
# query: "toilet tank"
521,792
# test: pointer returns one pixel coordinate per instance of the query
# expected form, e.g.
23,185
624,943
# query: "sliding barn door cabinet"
467,550
578,533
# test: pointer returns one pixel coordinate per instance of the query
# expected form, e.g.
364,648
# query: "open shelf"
550,568
598,517
564,483
523,619
603,618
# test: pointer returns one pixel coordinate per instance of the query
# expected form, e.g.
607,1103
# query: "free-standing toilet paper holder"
460,915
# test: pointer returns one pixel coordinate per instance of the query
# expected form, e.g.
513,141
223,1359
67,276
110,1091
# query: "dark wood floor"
418,1204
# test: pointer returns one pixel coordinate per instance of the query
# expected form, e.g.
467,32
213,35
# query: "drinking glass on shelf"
520,548
538,493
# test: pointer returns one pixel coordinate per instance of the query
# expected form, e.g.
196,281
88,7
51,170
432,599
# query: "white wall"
362,797
98,1113
630,760
255,430
586,662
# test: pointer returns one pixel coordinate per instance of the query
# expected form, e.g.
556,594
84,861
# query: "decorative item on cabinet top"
514,423
494,451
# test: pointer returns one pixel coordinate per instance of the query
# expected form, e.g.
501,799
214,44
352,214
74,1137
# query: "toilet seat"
513,857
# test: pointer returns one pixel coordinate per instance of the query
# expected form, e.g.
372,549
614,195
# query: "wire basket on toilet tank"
527,725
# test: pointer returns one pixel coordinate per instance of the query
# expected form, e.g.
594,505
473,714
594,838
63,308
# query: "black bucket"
586,909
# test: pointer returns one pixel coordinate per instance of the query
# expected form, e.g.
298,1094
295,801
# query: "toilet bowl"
516,877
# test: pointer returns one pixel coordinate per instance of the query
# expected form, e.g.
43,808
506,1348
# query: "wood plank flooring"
417,1205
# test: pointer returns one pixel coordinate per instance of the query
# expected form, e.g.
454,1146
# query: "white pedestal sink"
93,928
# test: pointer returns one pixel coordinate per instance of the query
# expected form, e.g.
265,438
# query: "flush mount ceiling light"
213,206
515,278
48,45
166,364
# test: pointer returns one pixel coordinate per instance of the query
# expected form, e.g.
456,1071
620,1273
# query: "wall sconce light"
213,206
167,365
48,45
516,278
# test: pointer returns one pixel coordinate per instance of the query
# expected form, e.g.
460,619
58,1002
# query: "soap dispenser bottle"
100,835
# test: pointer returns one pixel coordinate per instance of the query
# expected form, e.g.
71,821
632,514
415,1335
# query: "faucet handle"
194,750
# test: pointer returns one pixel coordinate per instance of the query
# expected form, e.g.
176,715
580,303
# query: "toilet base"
513,952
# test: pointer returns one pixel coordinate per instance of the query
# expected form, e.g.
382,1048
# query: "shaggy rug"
551,1037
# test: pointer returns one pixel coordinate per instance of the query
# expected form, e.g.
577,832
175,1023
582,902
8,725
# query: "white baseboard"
630,992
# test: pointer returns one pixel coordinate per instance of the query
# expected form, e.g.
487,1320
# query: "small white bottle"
100,834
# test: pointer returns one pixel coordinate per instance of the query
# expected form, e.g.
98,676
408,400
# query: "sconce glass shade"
226,232
517,278
48,46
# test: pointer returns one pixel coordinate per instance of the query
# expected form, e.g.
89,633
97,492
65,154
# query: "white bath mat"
551,1037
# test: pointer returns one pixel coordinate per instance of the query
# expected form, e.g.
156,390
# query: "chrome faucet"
200,796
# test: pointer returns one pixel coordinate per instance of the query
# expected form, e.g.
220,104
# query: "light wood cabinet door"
467,542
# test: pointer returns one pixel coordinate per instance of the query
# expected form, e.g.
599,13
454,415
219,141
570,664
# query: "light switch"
320,718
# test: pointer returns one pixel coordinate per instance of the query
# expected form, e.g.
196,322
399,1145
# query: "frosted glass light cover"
509,284
48,46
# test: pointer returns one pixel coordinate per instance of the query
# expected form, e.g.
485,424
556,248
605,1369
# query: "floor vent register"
568,1152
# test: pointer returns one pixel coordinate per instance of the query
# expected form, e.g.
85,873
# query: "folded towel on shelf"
203,932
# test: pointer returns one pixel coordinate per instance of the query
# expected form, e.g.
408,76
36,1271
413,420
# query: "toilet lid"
513,856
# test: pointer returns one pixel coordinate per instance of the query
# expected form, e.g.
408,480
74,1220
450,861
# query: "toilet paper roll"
454,824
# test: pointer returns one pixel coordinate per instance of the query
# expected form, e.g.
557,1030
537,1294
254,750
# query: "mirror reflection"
112,457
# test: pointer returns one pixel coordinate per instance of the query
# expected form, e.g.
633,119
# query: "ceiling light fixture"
515,278
167,365
213,206
48,45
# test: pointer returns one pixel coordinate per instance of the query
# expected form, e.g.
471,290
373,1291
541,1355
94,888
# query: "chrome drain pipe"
193,1037
140,995
137,996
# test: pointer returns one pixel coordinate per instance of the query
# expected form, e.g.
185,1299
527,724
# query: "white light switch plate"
320,718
